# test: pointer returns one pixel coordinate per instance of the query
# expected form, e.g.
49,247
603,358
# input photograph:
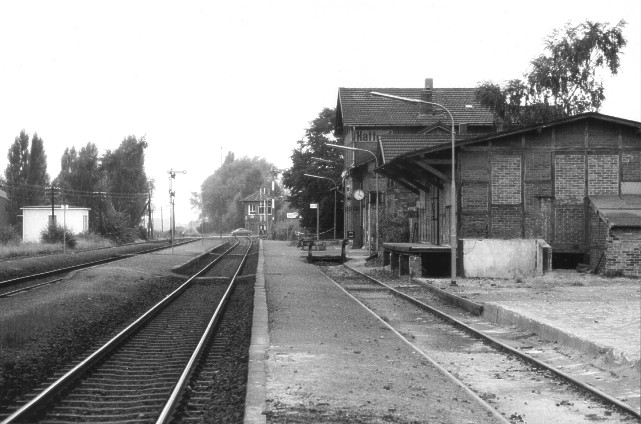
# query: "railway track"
519,387
159,368
24,283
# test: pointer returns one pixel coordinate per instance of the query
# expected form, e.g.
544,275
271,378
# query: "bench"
326,257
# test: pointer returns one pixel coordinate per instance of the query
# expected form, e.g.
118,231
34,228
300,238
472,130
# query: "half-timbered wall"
535,185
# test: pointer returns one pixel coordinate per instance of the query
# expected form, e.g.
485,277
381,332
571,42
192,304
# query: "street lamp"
336,146
335,190
453,237
325,161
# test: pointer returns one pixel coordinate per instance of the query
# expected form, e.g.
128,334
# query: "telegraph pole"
151,222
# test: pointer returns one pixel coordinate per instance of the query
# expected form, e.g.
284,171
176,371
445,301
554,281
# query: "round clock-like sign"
358,194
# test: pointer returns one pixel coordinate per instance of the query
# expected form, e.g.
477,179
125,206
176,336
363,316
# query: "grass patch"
27,249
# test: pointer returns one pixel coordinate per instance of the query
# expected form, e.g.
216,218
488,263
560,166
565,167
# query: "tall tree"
305,190
222,191
37,176
564,81
125,178
80,179
16,175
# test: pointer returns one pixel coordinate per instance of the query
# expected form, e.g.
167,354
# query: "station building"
573,183
388,128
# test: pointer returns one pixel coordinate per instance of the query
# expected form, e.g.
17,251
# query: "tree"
15,175
125,179
37,176
305,190
80,180
564,82
222,191
26,174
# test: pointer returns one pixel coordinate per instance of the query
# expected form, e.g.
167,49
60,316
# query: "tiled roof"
618,210
259,196
358,107
535,127
396,145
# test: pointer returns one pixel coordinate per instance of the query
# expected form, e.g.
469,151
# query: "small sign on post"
315,206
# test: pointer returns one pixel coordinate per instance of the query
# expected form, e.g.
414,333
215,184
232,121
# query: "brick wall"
473,225
603,135
474,196
538,166
603,174
623,252
631,166
475,166
506,179
538,210
570,225
571,135
598,238
506,221
570,179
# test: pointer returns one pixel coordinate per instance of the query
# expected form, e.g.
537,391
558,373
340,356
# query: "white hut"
36,218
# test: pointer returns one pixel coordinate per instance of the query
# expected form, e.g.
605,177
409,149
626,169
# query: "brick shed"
532,182
615,231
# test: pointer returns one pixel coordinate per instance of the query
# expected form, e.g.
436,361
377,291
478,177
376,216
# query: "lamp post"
335,190
336,146
453,236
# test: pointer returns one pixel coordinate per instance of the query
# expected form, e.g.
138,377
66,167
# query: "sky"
200,79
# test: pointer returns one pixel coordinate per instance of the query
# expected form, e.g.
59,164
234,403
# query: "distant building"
259,212
37,218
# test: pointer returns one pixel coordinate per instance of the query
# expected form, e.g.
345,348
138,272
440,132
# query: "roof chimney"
426,95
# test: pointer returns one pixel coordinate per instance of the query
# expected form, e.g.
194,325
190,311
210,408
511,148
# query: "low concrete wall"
494,258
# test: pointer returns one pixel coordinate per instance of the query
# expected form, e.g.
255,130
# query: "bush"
55,234
117,229
143,234
8,235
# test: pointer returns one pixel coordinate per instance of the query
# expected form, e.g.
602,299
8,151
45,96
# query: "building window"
381,197
261,207
252,209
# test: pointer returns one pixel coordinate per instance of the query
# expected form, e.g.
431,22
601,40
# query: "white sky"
203,77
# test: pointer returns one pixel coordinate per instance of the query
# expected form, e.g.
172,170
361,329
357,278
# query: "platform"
322,354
